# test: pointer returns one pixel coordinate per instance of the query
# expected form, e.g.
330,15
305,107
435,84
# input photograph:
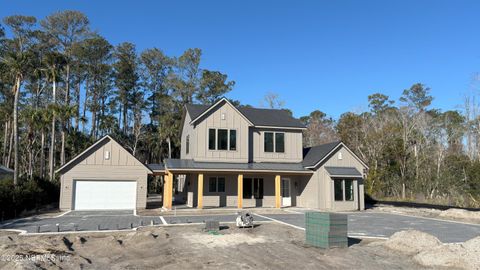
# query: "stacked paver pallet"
326,230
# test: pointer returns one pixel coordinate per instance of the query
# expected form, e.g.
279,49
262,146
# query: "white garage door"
98,195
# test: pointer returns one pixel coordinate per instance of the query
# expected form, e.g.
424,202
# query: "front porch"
206,185
205,189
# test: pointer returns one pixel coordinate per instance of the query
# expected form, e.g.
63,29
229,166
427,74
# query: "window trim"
187,147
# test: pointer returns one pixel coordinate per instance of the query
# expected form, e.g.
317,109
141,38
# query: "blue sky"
326,55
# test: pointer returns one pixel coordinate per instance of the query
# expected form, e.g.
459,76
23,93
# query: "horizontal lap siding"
121,166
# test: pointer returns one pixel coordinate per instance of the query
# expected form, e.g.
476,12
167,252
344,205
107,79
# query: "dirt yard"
267,246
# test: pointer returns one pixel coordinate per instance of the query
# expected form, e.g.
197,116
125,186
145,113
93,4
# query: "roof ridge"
324,144
261,117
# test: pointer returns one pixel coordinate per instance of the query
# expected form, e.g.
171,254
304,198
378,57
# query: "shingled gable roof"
105,139
257,117
313,156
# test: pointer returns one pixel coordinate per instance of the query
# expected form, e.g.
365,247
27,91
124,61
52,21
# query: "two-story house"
249,157
230,157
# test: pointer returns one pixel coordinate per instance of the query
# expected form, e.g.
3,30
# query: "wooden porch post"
240,191
167,190
278,199
200,191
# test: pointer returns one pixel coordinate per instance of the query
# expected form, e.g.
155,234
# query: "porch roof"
343,172
156,167
191,165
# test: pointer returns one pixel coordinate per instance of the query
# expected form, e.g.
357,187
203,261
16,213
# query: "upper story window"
274,142
212,139
222,139
233,139
280,142
187,148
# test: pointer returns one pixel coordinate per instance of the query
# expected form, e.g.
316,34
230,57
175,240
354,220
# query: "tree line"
414,152
62,86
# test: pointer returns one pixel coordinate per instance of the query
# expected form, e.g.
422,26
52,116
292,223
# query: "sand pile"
461,214
429,251
223,240
411,241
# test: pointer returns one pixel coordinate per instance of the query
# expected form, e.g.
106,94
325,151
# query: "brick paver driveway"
82,221
360,224
370,224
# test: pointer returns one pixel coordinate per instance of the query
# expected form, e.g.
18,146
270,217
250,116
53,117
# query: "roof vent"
340,155
107,155
223,116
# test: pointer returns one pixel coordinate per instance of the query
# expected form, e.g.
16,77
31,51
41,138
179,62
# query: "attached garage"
104,177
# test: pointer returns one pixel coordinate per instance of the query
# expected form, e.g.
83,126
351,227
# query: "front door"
286,197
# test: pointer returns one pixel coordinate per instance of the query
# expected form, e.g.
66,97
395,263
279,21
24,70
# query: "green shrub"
29,195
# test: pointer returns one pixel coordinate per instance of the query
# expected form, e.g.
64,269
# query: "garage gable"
335,154
105,152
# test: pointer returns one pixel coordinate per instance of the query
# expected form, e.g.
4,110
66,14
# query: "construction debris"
244,219
212,225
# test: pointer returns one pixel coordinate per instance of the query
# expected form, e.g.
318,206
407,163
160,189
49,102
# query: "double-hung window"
274,142
216,184
343,189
